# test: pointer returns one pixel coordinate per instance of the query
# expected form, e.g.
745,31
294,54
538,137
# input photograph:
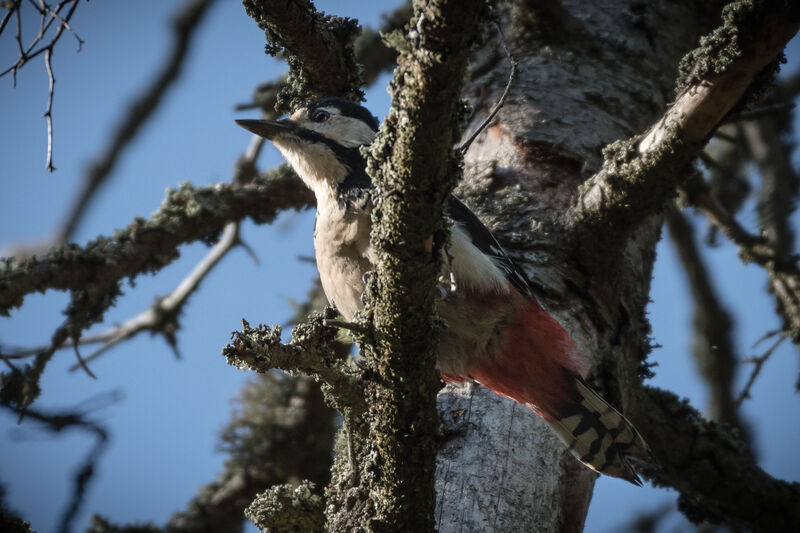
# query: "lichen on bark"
317,47
288,509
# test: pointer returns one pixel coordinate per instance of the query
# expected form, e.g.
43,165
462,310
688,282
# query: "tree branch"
783,271
162,316
318,49
310,352
758,363
639,175
48,16
712,346
57,423
414,170
711,468
288,508
370,50
145,246
141,109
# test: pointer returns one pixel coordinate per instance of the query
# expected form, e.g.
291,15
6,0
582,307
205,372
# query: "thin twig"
760,112
26,55
41,8
6,18
18,36
55,423
162,312
719,134
82,362
48,114
160,317
65,24
768,335
782,269
709,161
759,363
512,76
712,347
144,105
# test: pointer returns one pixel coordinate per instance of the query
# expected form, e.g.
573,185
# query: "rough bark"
413,170
494,469
591,262
521,176
575,95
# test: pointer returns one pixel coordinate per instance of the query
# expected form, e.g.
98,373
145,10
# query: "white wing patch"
470,267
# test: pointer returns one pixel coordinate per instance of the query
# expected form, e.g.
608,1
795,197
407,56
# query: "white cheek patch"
314,163
471,267
349,132
346,131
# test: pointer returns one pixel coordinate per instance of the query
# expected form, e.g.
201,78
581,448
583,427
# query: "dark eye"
320,115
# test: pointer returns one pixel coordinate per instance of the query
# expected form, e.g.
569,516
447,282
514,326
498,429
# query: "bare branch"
759,112
143,107
57,423
48,114
728,181
512,76
712,346
25,55
758,363
162,316
31,52
767,141
783,271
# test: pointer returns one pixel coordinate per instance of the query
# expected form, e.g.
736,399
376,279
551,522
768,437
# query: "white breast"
343,253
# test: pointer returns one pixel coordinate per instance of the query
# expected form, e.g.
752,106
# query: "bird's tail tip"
602,438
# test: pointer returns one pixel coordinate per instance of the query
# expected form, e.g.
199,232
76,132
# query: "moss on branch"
640,175
147,245
317,47
287,509
414,169
711,467
310,352
742,21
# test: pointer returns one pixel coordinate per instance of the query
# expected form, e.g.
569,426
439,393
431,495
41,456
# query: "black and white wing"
483,239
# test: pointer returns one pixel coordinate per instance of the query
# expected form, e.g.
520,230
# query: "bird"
494,331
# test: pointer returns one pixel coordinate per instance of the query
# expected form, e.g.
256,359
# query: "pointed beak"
267,128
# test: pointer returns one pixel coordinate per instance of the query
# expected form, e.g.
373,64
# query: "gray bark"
501,468
494,449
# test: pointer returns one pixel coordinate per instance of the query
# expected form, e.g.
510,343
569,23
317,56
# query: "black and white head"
321,141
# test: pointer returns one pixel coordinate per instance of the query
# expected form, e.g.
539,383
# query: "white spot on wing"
471,267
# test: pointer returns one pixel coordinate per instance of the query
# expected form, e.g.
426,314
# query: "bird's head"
321,141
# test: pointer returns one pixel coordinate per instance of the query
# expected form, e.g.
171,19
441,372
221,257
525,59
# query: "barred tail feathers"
600,437
539,365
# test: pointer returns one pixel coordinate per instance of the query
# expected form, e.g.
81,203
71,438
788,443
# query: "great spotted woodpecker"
495,332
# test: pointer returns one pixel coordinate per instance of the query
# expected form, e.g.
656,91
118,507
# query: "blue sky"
164,429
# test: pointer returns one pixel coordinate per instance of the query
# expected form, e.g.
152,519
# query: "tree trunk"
590,73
